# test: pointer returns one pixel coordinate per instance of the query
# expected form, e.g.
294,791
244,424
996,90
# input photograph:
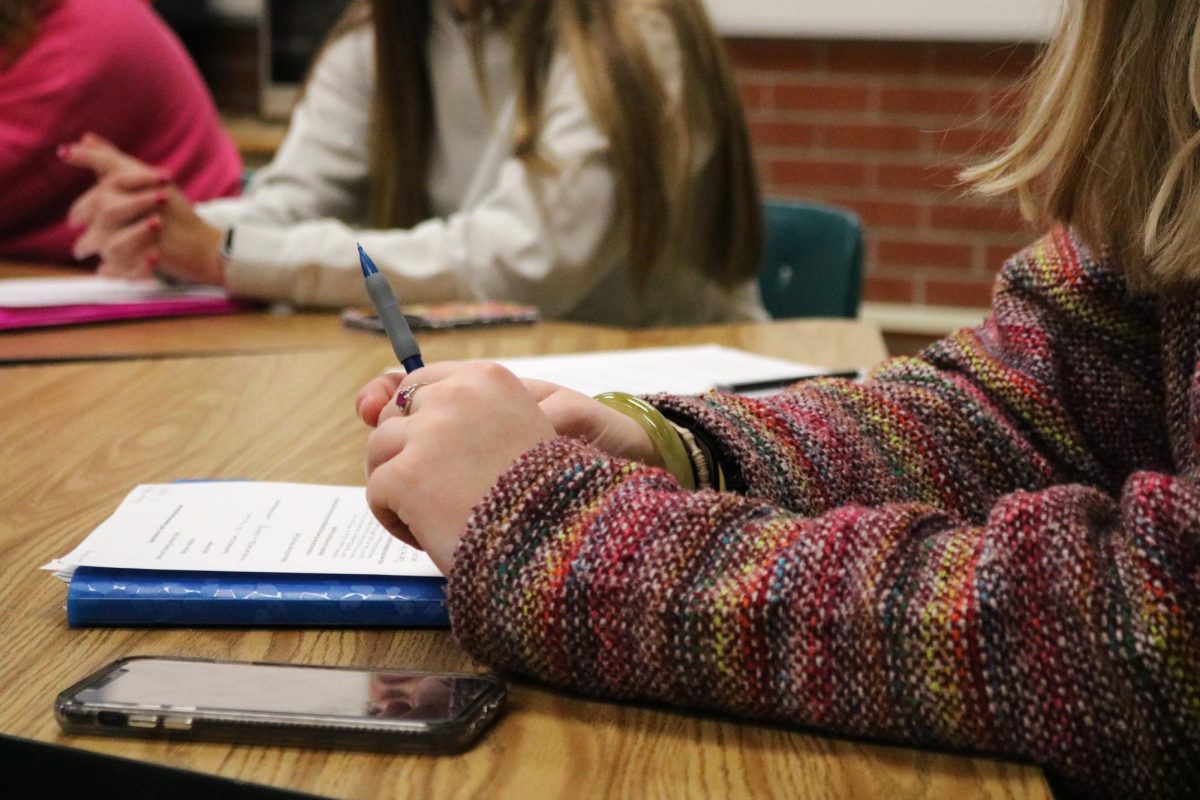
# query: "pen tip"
364,261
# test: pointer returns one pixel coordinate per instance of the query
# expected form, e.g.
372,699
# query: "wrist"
218,244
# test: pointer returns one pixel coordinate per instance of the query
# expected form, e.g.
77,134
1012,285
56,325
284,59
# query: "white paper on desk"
246,526
674,370
93,290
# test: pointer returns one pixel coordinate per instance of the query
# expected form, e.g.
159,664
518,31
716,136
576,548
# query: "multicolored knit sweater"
993,547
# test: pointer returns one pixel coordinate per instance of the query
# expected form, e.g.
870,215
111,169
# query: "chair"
812,260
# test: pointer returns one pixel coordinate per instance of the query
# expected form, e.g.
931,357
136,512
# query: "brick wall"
881,128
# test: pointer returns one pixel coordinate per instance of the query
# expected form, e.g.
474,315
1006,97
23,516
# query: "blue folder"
99,596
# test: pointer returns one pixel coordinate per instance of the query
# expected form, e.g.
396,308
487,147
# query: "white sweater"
494,234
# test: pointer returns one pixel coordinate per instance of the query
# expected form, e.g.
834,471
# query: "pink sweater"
111,67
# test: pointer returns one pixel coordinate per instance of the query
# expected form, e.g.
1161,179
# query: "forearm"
510,247
1061,383
911,434
1051,632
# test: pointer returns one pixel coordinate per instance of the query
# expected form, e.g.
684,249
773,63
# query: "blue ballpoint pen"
398,332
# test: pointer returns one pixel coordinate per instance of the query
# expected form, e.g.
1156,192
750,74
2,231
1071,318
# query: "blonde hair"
649,150
1110,137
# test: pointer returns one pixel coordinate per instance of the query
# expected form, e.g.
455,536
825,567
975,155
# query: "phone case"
444,316
318,731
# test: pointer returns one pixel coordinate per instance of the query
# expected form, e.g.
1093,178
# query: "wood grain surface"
74,438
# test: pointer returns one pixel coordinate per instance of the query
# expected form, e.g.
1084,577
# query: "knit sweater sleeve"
948,555
1062,383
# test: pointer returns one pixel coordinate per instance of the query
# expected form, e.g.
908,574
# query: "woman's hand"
571,413
429,465
137,221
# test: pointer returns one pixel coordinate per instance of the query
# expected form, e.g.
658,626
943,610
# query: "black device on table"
283,704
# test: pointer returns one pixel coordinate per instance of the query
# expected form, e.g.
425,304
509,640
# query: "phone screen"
280,689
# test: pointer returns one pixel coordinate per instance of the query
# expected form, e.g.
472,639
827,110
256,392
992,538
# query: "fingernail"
64,151
155,224
152,259
160,198
164,176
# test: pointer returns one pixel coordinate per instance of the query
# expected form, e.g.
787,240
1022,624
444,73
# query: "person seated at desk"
993,546
107,66
591,159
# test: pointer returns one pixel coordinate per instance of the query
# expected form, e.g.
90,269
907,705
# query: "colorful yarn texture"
992,547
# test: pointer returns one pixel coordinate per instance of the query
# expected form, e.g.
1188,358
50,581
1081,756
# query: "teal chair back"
812,260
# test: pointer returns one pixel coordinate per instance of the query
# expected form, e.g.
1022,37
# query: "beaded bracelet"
662,434
705,465
696,455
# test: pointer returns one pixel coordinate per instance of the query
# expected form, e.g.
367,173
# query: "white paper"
246,526
675,370
93,290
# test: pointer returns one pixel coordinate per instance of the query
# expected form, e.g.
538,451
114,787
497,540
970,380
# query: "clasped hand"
137,221
429,466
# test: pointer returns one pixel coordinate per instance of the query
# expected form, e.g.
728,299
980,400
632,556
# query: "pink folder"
49,316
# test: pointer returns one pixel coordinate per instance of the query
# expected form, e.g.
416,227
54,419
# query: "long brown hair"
650,150
18,22
1110,140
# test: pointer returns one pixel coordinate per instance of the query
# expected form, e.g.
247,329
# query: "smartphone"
283,704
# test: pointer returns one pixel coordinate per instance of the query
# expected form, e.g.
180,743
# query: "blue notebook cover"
99,596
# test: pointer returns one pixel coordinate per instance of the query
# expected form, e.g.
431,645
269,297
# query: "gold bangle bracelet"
662,434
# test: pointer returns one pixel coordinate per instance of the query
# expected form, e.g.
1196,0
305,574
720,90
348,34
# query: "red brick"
975,294
889,58
986,60
917,100
768,133
995,256
965,216
810,172
802,96
882,212
777,55
979,142
1008,102
926,177
889,290
883,129
754,95
924,254
872,137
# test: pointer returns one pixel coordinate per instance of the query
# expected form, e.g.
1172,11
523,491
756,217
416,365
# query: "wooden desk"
74,438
